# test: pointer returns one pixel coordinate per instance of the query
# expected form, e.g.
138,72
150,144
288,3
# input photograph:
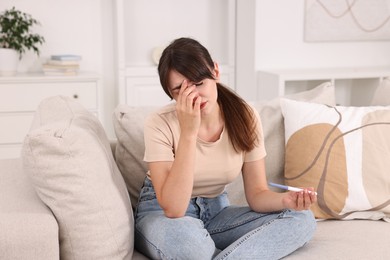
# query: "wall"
86,27
280,44
154,23
69,26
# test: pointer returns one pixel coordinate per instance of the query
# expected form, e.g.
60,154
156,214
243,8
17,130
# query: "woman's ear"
216,72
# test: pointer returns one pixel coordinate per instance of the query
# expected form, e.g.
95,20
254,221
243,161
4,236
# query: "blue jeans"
212,229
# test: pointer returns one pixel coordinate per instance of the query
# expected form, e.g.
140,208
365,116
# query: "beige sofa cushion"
382,94
344,153
273,127
68,157
129,153
28,227
347,240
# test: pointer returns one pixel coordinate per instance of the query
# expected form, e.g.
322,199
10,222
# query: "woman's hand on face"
301,200
188,108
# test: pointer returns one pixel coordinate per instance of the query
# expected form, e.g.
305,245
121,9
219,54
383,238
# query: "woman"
194,148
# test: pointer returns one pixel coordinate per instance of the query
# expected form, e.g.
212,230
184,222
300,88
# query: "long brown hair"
191,59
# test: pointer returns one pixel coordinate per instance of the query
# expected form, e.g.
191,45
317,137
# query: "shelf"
331,73
354,86
39,76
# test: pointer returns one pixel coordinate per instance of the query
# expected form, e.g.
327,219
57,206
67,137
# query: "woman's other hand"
301,200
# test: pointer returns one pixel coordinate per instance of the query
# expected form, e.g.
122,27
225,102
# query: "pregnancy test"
285,187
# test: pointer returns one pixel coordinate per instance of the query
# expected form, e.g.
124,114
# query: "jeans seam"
151,244
215,231
220,230
246,237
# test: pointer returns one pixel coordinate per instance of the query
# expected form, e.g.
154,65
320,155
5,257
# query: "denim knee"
305,222
275,238
160,237
309,219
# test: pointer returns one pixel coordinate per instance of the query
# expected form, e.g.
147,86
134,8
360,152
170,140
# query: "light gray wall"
280,42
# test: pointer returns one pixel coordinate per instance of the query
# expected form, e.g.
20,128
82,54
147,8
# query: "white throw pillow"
343,152
69,159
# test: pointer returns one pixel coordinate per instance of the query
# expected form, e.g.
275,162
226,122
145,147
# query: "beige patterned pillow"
343,152
68,157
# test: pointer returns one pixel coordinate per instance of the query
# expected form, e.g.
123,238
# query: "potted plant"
16,38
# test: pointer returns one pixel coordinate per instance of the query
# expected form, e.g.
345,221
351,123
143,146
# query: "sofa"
72,192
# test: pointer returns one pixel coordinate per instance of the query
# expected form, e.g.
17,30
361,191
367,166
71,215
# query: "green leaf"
16,31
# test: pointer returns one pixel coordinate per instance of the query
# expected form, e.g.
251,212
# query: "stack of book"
62,65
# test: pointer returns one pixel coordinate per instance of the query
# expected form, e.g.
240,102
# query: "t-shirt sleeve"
158,139
259,151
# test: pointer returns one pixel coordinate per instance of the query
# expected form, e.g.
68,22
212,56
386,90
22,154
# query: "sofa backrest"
128,124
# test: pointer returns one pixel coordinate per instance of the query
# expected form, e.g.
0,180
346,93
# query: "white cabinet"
354,86
144,26
20,95
141,87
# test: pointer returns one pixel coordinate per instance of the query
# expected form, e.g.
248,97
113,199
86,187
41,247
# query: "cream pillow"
129,152
68,157
273,127
382,94
343,152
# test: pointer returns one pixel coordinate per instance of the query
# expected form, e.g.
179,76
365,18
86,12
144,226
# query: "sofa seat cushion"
347,240
28,229
68,157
